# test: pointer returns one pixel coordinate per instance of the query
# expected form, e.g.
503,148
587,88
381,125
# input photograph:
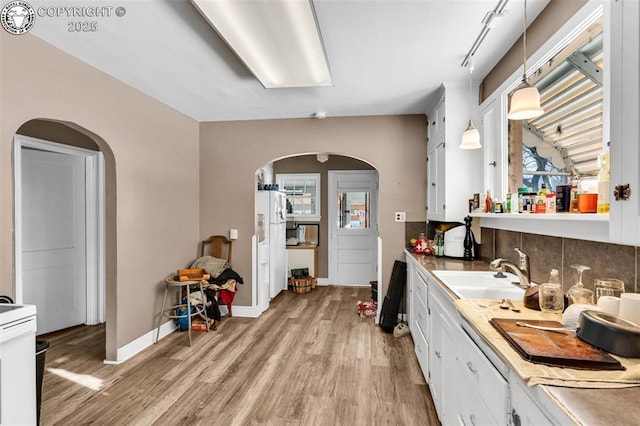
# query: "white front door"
353,227
54,276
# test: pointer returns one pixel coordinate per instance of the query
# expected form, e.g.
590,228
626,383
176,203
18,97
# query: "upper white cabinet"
621,104
453,174
624,128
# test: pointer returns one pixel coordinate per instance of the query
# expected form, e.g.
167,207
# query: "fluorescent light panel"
278,40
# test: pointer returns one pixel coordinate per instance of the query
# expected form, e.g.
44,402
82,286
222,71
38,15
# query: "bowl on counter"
610,333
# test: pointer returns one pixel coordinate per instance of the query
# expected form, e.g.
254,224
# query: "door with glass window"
353,227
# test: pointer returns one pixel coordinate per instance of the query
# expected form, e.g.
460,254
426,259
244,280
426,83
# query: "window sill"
303,218
592,227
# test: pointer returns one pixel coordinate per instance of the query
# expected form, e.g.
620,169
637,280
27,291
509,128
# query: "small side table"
168,312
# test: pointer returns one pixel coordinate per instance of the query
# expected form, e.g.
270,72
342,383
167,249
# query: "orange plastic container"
587,203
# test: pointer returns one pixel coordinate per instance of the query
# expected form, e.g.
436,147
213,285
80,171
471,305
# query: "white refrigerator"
273,205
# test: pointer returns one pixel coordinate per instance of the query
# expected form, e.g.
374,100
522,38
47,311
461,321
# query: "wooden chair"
221,248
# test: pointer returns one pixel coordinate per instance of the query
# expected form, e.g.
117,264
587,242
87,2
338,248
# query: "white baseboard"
141,343
149,338
246,311
326,282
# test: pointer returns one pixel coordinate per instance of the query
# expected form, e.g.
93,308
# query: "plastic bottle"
551,203
543,190
603,180
515,203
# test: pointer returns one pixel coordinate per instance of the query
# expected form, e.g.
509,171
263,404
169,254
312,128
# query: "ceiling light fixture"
322,157
278,40
525,101
471,136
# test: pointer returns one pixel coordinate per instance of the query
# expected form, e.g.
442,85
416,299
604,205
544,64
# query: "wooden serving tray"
553,348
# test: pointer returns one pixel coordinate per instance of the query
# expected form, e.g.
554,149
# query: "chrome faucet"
522,269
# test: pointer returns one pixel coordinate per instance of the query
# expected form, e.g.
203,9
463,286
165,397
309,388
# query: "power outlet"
401,216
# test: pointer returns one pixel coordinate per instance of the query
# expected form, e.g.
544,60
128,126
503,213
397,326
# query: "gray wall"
152,165
232,152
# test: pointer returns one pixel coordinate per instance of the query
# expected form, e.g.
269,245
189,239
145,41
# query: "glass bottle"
439,243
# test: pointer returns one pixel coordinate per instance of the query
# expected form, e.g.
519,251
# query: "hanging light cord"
470,95
524,43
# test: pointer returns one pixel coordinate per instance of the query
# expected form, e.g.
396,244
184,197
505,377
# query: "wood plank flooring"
309,360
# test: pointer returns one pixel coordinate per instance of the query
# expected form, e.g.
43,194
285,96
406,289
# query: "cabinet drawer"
483,378
421,289
421,316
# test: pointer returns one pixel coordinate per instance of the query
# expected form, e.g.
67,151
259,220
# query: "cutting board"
553,348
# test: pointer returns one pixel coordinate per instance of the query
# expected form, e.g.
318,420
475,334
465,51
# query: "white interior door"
353,227
53,218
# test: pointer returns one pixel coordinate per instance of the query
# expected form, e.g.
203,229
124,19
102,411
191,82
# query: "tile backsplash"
546,253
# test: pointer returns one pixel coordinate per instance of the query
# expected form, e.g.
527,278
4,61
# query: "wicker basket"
301,285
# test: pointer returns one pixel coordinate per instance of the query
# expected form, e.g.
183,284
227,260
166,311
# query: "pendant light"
525,101
471,136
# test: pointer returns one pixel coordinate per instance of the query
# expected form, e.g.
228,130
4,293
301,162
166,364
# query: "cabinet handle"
622,192
470,367
437,354
515,418
433,184
460,420
472,417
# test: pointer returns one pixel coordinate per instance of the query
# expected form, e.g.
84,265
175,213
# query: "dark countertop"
587,406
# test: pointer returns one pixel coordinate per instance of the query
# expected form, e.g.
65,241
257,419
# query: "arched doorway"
309,164
63,147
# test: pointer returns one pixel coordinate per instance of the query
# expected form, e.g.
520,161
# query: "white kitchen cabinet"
443,365
621,92
487,391
435,185
524,412
453,174
624,126
418,315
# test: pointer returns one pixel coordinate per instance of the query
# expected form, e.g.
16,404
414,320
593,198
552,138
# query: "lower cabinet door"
472,412
422,351
525,412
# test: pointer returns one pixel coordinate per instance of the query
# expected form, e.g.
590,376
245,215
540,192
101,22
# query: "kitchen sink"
481,284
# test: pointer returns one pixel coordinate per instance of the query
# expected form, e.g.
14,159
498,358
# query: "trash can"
374,290
41,352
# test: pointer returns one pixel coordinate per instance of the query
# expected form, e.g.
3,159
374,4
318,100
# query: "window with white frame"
303,195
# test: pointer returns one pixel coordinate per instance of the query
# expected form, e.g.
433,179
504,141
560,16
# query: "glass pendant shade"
470,138
525,103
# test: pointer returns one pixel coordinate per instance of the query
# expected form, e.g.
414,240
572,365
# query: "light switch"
401,216
233,234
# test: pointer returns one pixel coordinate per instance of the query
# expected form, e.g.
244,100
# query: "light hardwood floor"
309,360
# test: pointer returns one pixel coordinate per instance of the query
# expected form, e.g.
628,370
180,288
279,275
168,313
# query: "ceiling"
386,56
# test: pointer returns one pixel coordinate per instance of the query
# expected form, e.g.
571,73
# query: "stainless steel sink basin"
481,284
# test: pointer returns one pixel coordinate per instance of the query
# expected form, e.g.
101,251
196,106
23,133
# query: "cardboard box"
193,274
198,324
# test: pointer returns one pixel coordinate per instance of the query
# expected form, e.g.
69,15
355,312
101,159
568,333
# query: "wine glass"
578,293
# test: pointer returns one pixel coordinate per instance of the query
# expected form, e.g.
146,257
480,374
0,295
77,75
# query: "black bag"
393,299
213,310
